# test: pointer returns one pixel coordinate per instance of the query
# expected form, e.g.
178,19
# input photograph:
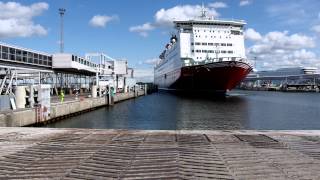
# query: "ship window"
230,52
204,44
235,32
204,51
192,50
229,44
210,44
197,43
192,44
223,52
223,44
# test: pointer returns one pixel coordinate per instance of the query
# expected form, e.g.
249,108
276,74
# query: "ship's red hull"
211,77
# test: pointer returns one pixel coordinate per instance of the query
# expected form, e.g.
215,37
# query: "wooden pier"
39,153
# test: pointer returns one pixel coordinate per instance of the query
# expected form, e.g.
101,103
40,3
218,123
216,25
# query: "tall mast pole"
61,12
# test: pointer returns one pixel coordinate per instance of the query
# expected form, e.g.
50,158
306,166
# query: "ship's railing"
229,19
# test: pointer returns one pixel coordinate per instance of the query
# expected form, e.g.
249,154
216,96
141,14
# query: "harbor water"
239,110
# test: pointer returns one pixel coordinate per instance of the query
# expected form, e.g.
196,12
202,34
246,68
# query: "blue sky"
279,33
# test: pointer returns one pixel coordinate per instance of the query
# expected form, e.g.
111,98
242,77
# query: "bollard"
145,89
94,91
20,94
31,96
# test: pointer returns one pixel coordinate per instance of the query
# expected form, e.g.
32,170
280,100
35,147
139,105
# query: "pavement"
43,153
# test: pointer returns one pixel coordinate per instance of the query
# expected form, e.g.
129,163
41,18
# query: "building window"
12,57
4,56
5,49
18,58
12,51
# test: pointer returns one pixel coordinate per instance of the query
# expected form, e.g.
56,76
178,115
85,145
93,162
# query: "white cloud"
144,74
316,28
142,29
217,5
253,35
152,61
16,20
164,18
101,20
244,2
280,49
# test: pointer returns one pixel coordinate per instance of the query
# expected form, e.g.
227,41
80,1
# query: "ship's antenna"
203,11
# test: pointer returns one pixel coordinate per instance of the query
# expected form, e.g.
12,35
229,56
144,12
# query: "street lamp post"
61,12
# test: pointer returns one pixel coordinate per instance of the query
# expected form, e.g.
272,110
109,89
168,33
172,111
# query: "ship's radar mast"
203,12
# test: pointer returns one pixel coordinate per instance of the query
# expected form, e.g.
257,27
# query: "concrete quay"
40,153
28,116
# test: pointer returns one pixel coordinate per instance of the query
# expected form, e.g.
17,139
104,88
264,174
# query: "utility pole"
61,12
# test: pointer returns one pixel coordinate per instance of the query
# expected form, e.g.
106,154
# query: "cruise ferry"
204,54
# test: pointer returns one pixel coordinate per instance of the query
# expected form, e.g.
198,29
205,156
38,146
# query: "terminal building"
297,77
23,66
294,71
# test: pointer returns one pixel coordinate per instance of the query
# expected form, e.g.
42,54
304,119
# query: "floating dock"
40,153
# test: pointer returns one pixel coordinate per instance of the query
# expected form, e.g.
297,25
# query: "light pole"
61,12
